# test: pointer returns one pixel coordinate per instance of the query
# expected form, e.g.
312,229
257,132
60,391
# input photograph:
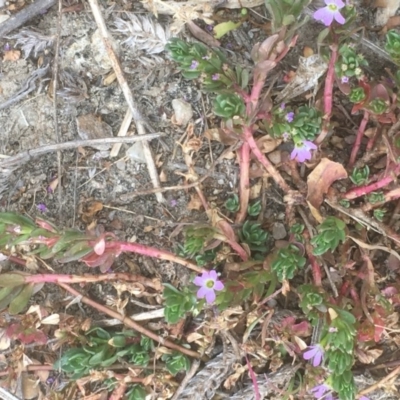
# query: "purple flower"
314,353
283,106
345,79
331,12
194,64
285,136
302,151
208,283
290,116
363,398
42,207
319,390
215,77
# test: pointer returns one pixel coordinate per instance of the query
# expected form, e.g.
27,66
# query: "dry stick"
87,278
28,154
23,16
357,143
189,375
55,116
379,384
130,323
123,130
136,115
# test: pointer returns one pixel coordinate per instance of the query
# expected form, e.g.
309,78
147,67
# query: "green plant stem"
328,94
129,322
357,143
244,183
276,176
86,278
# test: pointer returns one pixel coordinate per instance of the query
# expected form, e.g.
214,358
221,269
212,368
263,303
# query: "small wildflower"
3,257
314,353
345,79
358,71
208,283
332,329
302,151
319,390
363,398
194,64
283,106
173,203
7,47
42,207
344,67
290,116
331,12
215,77
285,136
49,189
17,229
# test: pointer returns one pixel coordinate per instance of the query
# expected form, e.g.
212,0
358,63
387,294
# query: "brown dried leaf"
368,356
232,379
30,389
321,179
91,209
267,144
12,55
221,136
195,202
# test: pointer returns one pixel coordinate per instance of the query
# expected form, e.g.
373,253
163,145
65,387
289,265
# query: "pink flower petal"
218,285
309,354
338,3
202,292
212,275
324,15
198,281
339,18
210,296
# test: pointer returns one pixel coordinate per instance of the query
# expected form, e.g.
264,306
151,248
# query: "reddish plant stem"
152,252
357,143
253,377
86,278
389,196
119,391
363,190
371,140
276,176
30,368
328,94
316,269
244,183
129,322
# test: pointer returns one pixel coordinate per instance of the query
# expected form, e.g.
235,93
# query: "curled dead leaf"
267,143
321,179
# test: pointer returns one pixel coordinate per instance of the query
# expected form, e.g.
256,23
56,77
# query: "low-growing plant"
330,233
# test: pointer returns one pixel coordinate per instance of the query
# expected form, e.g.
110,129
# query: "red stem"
363,190
244,183
276,176
357,143
328,94
153,252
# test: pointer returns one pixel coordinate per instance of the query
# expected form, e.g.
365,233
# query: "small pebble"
278,231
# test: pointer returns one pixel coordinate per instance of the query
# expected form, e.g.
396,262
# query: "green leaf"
20,302
7,297
224,27
16,219
11,279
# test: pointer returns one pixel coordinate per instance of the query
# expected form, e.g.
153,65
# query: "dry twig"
136,114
